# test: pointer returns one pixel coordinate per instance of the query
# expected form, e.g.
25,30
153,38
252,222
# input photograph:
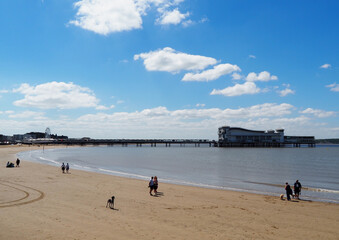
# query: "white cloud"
107,16
263,76
261,110
200,105
172,17
56,95
183,123
286,91
211,74
28,115
153,114
252,56
334,87
103,108
188,23
203,20
236,76
237,90
318,113
325,66
170,60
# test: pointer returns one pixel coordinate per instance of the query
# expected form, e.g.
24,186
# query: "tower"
47,133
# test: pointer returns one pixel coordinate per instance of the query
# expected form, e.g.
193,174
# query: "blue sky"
168,68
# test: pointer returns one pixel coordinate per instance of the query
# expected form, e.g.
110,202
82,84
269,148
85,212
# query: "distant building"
18,137
32,137
241,137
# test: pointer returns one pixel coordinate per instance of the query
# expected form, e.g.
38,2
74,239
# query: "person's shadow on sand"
158,194
114,209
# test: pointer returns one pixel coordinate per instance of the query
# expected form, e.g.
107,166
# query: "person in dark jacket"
288,191
151,186
63,168
17,162
297,189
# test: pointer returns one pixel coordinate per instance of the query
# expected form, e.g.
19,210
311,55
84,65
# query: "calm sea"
256,170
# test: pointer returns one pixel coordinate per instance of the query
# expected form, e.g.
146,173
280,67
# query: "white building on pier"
229,135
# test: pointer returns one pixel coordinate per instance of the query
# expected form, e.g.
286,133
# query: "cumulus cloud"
286,91
103,108
237,90
109,16
172,17
334,87
325,66
28,115
318,113
170,60
263,77
183,123
211,74
186,118
236,76
55,95
188,23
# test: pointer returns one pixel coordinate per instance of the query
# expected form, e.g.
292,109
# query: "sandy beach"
40,202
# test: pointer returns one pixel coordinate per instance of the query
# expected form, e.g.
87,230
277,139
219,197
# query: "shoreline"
279,188
73,206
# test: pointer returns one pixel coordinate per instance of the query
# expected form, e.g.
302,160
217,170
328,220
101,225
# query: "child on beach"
67,167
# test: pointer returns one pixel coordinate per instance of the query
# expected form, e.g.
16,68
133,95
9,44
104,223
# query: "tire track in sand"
27,199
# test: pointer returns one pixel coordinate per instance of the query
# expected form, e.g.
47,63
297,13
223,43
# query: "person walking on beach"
288,191
151,186
17,162
297,189
63,168
67,167
155,185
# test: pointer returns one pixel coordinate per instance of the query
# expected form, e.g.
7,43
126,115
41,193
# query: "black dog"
110,202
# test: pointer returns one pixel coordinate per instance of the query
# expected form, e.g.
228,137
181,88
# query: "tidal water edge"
256,170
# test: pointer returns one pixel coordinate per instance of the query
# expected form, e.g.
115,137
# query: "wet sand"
40,202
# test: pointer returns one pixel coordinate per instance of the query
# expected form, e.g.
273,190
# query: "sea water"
256,170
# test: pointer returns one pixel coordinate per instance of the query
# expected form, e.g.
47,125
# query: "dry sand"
39,202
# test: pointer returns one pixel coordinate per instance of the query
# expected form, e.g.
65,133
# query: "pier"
132,142
291,142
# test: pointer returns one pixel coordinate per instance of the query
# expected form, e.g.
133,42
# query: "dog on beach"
281,196
110,202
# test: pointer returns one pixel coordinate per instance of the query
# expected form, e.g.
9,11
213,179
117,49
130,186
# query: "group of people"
10,164
65,167
153,185
297,190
